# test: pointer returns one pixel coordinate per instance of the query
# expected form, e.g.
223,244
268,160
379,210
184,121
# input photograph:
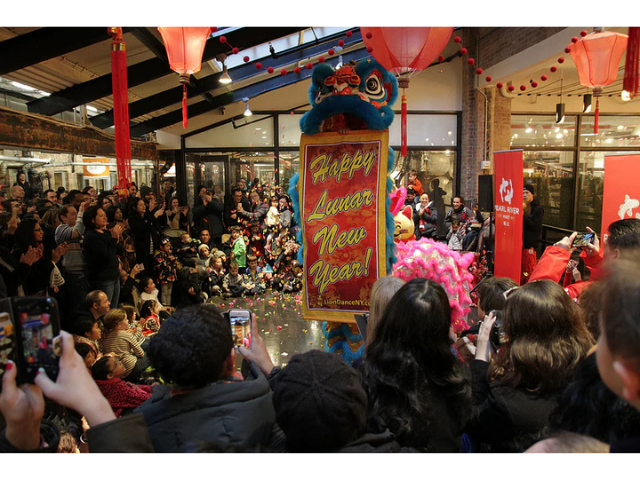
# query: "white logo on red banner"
626,209
506,194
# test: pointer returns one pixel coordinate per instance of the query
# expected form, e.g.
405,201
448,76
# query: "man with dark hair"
231,213
194,352
51,196
531,228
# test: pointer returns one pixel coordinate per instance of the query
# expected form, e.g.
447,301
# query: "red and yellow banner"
342,202
621,190
508,185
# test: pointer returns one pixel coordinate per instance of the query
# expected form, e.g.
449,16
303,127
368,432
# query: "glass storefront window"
613,131
289,134
427,130
289,166
590,187
551,174
437,173
542,131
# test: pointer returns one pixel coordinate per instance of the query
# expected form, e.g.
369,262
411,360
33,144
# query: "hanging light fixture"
247,112
625,96
560,106
225,79
586,105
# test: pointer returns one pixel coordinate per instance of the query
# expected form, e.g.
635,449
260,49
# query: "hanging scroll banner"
342,204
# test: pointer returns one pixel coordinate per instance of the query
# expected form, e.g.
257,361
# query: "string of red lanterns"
511,88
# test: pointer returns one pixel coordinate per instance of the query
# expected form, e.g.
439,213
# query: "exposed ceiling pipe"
24,159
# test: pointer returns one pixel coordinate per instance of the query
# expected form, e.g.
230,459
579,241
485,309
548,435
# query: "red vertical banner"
508,185
621,190
342,191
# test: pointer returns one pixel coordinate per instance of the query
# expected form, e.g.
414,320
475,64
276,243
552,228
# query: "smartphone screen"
583,240
7,343
38,326
240,325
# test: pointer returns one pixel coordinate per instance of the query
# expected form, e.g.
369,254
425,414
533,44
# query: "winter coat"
508,419
532,225
100,258
208,217
236,413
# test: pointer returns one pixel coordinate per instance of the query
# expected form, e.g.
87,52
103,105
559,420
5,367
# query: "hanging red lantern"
597,57
405,51
121,109
185,46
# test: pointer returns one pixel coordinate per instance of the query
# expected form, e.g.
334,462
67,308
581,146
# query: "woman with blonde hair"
381,293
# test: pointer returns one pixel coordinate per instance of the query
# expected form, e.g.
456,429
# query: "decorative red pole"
121,109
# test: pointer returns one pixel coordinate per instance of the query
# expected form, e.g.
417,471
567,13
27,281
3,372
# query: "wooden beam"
37,132
149,70
47,43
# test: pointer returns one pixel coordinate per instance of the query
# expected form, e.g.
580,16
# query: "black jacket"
532,225
144,233
39,274
237,413
508,419
100,258
209,216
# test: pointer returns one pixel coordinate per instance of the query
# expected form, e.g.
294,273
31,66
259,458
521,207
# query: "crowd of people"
552,365
143,247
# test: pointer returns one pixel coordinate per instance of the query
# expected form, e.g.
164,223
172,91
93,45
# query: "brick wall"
488,46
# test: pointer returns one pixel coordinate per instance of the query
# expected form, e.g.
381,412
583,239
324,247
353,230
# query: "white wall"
438,88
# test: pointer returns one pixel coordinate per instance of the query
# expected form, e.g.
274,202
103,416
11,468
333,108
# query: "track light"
560,113
586,107
625,96
247,112
225,79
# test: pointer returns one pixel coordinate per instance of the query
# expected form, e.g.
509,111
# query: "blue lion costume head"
356,96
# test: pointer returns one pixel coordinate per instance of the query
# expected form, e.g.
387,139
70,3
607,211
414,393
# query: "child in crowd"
255,280
150,292
188,251
414,182
204,254
88,331
232,282
165,269
123,396
272,219
150,316
239,249
118,340
290,277
135,327
189,282
87,354
256,241
216,276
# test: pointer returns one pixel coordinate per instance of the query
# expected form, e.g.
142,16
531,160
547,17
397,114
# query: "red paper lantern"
534,84
597,57
463,51
185,46
441,58
523,88
403,50
121,109
544,78
478,71
499,85
488,79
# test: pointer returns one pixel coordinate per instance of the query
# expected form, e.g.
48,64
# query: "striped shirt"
123,344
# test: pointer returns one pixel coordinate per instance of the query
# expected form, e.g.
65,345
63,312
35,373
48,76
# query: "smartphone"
583,239
141,266
29,326
240,321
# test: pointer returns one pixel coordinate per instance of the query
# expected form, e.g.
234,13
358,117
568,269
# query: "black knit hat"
319,403
529,187
144,191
